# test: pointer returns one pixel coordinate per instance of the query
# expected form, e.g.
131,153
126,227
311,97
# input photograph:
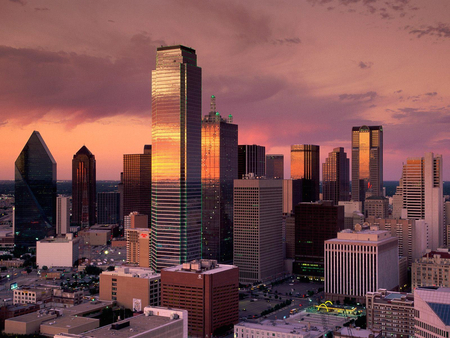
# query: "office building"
292,195
278,328
35,193
367,162
258,250
390,314
135,220
251,160
176,158
208,291
411,234
275,166
66,247
133,288
314,224
376,206
422,195
431,312
360,261
305,164
84,191
62,215
108,208
352,213
336,176
137,183
433,269
219,170
31,295
138,246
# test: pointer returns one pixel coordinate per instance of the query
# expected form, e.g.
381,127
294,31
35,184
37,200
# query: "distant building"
352,213
336,176
209,292
367,162
314,223
84,193
433,269
390,313
108,208
360,261
251,160
62,215
135,220
139,246
292,195
305,164
133,288
35,193
258,248
376,206
219,170
57,251
431,312
274,166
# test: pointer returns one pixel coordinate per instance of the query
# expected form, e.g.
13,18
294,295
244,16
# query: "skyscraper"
423,196
335,176
251,160
274,166
84,191
219,169
137,183
35,192
62,215
305,164
176,218
367,162
108,210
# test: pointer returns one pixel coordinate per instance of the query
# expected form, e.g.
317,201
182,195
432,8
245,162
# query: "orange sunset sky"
290,72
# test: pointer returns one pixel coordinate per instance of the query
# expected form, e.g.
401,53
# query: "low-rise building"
432,312
133,288
68,325
67,297
29,323
27,295
61,251
95,237
277,328
433,269
390,314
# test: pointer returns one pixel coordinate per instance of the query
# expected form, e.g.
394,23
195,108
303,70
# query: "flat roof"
86,307
30,317
70,321
218,268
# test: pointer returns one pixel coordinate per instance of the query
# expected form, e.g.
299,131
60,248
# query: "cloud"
38,9
441,30
77,87
369,96
288,41
20,2
431,94
364,65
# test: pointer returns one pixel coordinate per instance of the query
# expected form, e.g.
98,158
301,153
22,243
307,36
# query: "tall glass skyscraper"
305,166
219,169
274,166
176,215
35,193
336,176
84,192
367,162
251,160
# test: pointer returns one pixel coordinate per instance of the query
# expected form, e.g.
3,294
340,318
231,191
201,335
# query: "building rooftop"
68,322
203,266
136,272
88,307
31,317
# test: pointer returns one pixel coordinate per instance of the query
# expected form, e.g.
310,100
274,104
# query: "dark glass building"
367,162
137,183
274,166
314,224
305,165
35,193
251,160
219,169
176,217
336,177
108,208
84,191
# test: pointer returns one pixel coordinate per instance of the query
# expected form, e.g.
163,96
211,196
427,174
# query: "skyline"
80,74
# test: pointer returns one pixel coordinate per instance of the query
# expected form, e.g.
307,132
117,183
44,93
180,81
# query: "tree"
45,268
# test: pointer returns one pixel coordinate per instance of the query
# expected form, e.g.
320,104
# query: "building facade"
208,291
275,166
67,249
108,208
431,312
305,165
35,193
138,246
433,269
360,261
219,170
336,176
251,160
258,249
84,191
176,157
367,162
137,183
62,215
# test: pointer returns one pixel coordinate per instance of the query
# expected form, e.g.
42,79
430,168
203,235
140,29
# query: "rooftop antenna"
213,104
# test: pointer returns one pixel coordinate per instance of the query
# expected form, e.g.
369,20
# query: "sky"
290,72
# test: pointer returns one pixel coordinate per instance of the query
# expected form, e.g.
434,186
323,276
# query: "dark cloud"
111,21
79,87
441,30
398,91
364,65
431,94
39,9
20,2
289,41
369,96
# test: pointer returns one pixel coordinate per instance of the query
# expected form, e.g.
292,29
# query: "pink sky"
290,72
